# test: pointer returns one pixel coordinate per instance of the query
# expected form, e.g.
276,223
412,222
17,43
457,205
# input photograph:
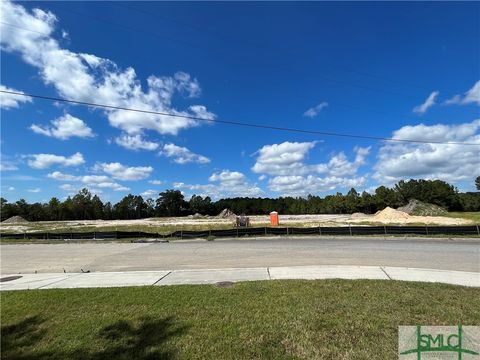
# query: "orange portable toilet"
274,218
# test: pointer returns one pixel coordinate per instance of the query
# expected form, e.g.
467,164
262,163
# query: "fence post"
319,230
181,234
385,229
288,233
426,229
237,231
265,230
350,228
209,232
478,231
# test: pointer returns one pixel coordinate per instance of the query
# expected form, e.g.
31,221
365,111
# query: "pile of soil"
14,220
389,214
419,208
226,214
197,216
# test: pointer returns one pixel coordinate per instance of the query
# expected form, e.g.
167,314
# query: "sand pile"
419,208
14,220
391,215
226,214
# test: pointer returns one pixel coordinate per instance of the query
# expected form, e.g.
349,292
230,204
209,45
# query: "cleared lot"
463,255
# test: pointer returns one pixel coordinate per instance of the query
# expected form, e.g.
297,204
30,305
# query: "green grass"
474,216
333,319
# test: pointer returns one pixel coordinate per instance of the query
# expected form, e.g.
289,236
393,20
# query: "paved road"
462,255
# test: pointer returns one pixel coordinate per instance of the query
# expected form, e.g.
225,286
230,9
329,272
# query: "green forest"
85,206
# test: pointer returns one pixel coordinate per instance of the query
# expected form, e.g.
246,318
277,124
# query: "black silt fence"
242,232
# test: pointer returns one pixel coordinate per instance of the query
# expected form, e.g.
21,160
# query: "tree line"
85,206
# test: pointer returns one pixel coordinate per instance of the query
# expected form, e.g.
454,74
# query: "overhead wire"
236,123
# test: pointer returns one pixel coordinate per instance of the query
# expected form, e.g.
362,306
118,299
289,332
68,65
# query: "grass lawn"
332,319
474,216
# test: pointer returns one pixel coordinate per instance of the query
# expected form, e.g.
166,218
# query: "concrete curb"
211,276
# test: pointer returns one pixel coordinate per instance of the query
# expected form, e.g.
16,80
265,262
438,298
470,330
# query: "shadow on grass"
144,339
18,339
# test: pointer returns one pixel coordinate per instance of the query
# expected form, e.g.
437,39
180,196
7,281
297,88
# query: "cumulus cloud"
223,184
314,111
448,162
288,158
35,190
228,178
472,96
86,77
135,142
149,193
122,172
43,161
428,103
64,127
155,182
182,155
294,185
282,159
6,164
291,175
8,101
91,181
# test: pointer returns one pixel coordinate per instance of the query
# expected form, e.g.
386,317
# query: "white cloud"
225,184
35,190
123,172
294,185
6,164
291,175
181,155
155,182
429,102
135,142
288,159
43,161
447,162
64,127
11,188
149,193
91,181
282,159
86,77
472,96
229,178
8,101
314,111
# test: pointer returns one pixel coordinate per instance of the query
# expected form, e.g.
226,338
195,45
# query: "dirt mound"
419,208
226,214
389,214
14,220
196,216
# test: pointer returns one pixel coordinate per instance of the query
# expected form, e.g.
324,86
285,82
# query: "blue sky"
405,70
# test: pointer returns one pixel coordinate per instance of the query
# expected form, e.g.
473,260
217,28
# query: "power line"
281,68
230,122
335,103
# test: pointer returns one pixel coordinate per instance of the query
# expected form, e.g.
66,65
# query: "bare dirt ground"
169,223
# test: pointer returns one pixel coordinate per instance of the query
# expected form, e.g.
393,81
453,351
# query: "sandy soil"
256,220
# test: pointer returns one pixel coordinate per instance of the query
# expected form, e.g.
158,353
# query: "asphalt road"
458,254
